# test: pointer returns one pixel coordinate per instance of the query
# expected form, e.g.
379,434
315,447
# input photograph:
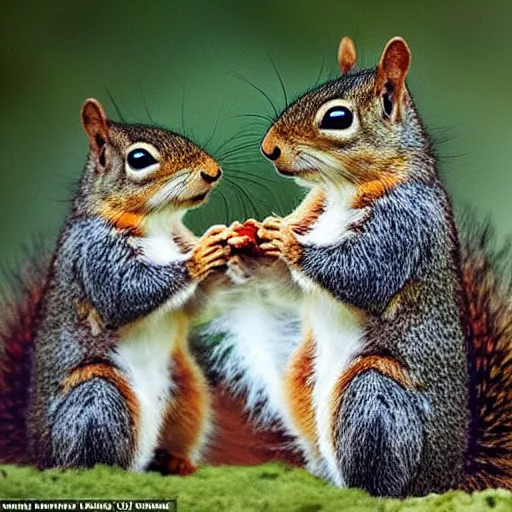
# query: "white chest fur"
260,323
144,354
335,221
337,330
144,348
338,337
157,244
158,247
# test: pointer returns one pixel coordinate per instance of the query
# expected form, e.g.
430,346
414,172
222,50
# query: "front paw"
279,240
247,259
211,252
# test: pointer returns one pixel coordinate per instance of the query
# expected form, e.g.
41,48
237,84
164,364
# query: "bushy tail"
236,440
19,317
488,289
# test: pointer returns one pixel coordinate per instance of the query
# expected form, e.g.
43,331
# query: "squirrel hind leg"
379,436
92,426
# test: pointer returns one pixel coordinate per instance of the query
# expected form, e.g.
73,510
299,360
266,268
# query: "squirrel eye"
139,159
337,118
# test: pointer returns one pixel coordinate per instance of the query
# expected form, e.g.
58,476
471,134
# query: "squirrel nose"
273,155
209,178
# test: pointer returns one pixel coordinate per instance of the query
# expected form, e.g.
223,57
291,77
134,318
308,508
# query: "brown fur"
488,294
188,410
236,440
385,365
302,218
108,372
346,55
18,324
299,385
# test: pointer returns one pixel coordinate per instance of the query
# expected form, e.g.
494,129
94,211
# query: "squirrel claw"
279,240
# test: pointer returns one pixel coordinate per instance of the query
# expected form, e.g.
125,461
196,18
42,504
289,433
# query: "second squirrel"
377,391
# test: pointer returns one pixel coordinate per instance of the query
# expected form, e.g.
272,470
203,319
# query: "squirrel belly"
248,316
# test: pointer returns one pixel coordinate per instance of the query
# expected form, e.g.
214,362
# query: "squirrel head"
358,128
137,170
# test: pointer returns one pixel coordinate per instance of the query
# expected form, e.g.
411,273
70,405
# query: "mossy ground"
263,488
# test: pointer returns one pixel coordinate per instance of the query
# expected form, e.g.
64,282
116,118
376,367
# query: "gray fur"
90,425
118,283
406,229
408,241
96,265
380,436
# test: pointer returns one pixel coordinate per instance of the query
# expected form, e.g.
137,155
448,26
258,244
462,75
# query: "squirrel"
401,380
96,366
484,299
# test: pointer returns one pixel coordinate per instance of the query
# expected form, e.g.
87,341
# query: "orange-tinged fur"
105,371
372,190
123,220
385,365
186,418
299,386
308,212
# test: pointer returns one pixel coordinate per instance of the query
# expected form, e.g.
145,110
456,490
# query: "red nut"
250,244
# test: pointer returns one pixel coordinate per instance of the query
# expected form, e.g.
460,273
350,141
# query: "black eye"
337,118
139,159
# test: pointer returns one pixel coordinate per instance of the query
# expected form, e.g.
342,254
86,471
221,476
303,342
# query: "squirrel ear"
346,55
391,72
94,121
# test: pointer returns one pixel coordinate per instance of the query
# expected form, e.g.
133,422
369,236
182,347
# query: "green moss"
262,488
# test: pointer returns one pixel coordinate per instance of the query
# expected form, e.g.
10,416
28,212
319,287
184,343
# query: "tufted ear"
346,55
391,73
94,121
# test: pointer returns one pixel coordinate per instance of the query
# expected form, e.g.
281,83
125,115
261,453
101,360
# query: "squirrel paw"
210,253
166,463
247,259
279,240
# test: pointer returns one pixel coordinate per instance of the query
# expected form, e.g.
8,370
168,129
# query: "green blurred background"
177,62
